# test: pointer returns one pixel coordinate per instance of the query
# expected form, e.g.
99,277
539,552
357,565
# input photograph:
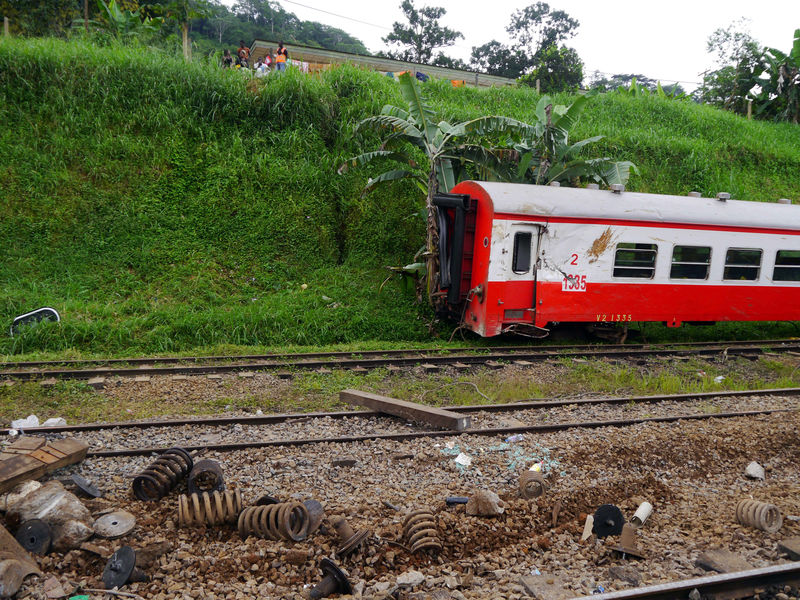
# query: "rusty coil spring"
213,508
286,520
763,516
419,531
163,475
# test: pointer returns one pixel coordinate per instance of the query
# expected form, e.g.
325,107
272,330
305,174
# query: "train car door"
520,261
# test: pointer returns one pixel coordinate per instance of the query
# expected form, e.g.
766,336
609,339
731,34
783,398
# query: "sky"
663,40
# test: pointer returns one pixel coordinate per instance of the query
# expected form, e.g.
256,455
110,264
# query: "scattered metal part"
390,506
334,581
627,542
85,486
287,520
266,500
15,564
588,527
121,569
419,531
35,316
453,500
642,514
205,476
163,475
206,508
531,484
608,520
344,462
316,513
35,536
115,524
761,515
556,511
351,540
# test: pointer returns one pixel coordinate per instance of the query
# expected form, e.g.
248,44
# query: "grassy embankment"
163,207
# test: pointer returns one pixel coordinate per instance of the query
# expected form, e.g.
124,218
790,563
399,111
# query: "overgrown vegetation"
162,206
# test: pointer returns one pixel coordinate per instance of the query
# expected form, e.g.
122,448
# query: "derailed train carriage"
522,258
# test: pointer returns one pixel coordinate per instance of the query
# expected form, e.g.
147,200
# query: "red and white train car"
517,257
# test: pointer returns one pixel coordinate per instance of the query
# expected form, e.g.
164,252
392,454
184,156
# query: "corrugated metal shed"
319,58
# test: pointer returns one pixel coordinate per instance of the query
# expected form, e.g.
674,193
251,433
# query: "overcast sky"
663,40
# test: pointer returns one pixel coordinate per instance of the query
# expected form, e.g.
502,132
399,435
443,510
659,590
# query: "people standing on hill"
244,54
281,56
227,59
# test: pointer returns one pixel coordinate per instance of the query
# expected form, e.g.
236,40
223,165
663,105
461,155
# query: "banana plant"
548,155
780,91
433,154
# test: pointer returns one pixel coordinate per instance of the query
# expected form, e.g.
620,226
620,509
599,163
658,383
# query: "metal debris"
627,542
286,520
163,475
205,476
642,514
121,569
115,524
531,484
213,508
420,532
35,536
761,515
350,539
85,486
608,520
334,581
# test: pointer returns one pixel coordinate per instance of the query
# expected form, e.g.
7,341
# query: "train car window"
787,266
635,260
521,263
742,264
690,262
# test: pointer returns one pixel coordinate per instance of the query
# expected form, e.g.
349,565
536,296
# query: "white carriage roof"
549,201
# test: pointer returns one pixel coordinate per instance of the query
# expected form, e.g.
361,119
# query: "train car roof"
546,201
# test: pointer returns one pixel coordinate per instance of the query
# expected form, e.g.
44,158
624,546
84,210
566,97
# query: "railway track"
284,365
742,584
538,405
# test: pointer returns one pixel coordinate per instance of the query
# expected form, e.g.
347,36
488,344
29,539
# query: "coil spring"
286,520
763,516
163,475
531,484
419,530
215,508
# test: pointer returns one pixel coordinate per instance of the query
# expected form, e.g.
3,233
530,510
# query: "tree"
635,84
422,35
557,70
780,89
536,29
740,60
182,12
121,23
39,17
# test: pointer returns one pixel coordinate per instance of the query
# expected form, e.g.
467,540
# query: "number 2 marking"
574,260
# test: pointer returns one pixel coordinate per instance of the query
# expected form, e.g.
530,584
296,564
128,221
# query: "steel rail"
398,362
527,404
443,433
362,353
741,584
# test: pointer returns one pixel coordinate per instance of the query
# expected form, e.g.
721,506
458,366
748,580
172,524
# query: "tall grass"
165,206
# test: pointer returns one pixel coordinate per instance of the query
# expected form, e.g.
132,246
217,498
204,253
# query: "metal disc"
266,500
85,486
608,520
35,536
115,524
119,568
339,575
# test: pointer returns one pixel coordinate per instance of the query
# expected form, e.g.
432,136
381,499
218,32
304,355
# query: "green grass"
166,207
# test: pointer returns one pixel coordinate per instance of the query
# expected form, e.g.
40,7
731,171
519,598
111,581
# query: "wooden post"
5,26
86,16
538,86
749,109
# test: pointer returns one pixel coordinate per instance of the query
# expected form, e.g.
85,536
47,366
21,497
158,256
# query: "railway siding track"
285,366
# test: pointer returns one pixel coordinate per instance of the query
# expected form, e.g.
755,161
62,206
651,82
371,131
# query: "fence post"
5,26
538,86
749,109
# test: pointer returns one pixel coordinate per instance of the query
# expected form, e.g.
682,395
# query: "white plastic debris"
13,432
55,422
719,378
754,471
464,460
30,421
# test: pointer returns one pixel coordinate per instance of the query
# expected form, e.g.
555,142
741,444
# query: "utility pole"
5,27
